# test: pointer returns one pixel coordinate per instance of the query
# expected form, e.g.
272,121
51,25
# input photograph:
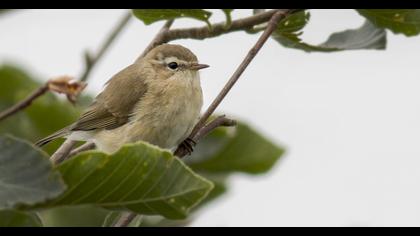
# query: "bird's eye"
173,65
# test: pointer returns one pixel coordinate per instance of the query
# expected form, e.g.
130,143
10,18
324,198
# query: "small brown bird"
157,99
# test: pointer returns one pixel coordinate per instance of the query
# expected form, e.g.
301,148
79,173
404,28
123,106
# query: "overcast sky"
350,120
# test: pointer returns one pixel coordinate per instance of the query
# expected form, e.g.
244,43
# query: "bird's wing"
113,107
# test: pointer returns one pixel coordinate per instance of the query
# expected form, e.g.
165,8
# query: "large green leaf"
139,177
44,116
11,218
367,36
406,21
149,16
239,149
26,174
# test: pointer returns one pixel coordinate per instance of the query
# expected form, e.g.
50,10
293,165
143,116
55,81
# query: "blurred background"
349,120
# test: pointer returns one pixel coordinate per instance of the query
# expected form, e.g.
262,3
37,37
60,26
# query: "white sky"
349,120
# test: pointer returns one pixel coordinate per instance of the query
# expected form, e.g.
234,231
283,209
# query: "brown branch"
220,28
90,60
200,130
86,146
251,54
62,84
62,152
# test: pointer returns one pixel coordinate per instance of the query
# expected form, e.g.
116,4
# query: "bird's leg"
189,145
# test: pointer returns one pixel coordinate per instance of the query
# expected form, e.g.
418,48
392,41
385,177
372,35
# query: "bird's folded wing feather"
113,107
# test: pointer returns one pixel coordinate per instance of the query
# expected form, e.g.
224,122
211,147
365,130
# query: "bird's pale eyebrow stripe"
171,59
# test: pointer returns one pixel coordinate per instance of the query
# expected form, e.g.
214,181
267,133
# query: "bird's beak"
196,66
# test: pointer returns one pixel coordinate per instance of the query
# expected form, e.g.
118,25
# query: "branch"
62,152
86,146
200,130
272,24
62,84
90,60
220,28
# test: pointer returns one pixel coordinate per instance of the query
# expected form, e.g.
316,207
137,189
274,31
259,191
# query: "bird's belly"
173,126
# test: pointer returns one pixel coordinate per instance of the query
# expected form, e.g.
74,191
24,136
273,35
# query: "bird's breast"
167,113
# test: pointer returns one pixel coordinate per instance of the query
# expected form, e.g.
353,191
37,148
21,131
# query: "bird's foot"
189,145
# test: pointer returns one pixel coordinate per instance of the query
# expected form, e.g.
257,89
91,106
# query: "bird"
157,99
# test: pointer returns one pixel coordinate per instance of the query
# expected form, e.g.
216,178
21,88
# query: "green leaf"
74,216
139,177
149,16
11,218
239,149
367,36
46,114
405,21
26,174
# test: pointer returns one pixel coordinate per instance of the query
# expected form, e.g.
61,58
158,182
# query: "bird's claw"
188,145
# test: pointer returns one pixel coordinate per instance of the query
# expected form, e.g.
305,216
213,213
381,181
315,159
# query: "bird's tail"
60,133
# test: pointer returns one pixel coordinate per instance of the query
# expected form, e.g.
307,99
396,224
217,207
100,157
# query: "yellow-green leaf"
405,21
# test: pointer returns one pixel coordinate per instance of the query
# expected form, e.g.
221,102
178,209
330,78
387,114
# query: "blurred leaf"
26,174
243,150
220,186
139,177
46,114
157,221
366,37
406,21
74,216
11,218
149,16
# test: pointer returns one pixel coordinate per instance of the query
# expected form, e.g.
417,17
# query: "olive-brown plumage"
157,99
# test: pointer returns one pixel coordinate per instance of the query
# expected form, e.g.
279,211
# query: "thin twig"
25,103
62,152
61,84
86,146
251,54
90,60
200,129
220,28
